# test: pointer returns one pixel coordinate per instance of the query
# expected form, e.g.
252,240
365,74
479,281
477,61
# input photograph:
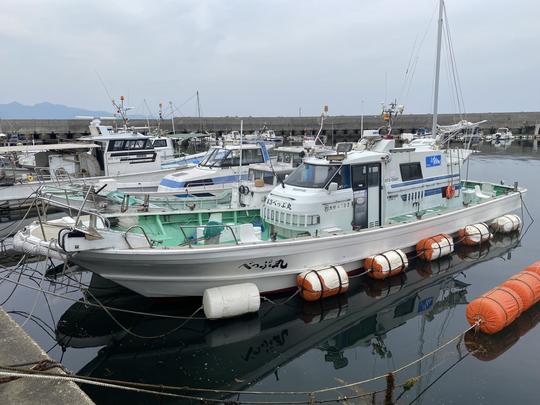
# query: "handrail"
150,244
59,204
206,226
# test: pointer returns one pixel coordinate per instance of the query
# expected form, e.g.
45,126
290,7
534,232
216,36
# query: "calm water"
375,328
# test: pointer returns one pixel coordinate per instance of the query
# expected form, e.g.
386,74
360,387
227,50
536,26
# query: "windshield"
215,157
311,176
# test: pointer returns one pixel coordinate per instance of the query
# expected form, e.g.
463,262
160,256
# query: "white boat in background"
503,134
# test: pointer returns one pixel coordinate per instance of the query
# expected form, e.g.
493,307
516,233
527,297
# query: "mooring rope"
14,371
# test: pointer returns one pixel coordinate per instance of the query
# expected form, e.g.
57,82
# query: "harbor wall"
345,127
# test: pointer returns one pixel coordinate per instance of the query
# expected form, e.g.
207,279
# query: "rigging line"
40,288
417,50
453,58
135,334
96,305
34,319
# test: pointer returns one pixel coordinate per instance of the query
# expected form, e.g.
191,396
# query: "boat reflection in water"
235,354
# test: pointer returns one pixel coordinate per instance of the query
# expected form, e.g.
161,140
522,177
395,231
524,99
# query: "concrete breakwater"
344,127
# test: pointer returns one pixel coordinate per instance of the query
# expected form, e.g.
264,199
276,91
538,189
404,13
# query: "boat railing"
189,241
125,234
46,200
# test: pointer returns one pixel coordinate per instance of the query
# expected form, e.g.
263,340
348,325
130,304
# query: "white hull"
272,266
132,181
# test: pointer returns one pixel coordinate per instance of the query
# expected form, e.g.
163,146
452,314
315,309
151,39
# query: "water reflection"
235,354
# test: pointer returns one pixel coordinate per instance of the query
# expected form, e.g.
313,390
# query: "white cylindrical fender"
386,264
231,300
326,282
507,223
434,247
475,234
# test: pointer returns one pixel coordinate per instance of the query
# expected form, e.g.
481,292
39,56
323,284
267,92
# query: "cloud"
266,57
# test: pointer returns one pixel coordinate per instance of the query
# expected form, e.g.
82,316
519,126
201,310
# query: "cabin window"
250,156
160,143
311,176
410,171
359,177
373,176
283,157
342,178
116,145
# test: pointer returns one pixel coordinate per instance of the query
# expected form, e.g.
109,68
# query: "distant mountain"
45,110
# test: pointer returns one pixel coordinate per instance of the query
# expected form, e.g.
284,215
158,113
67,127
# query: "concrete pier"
344,127
18,348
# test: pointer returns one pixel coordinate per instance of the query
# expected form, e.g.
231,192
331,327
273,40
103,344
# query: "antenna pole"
199,112
437,70
172,117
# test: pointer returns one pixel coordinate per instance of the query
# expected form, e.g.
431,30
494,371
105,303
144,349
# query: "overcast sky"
260,57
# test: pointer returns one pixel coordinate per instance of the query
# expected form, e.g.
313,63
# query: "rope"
11,371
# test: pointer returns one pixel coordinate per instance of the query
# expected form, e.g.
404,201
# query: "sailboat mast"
437,70
199,112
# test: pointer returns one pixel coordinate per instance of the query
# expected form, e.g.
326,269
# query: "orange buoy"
534,268
495,309
527,285
506,224
435,247
475,234
317,284
386,264
450,192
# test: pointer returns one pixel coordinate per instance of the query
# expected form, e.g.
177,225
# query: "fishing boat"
503,134
333,210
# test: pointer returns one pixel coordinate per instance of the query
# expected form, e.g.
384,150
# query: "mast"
199,112
437,69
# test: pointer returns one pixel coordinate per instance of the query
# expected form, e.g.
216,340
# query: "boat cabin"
371,185
220,165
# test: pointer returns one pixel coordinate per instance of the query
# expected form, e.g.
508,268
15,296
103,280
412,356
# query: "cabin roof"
45,148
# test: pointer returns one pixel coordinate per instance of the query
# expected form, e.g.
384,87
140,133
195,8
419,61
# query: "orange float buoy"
435,247
475,234
317,284
495,309
534,268
527,285
386,264
450,192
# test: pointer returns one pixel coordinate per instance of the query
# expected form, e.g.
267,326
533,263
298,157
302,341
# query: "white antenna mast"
437,69
172,117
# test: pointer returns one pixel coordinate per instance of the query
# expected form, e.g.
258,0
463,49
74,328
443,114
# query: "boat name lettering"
337,206
433,160
268,264
266,345
279,204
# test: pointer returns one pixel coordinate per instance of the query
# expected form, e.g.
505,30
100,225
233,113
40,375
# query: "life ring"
243,190
29,178
450,191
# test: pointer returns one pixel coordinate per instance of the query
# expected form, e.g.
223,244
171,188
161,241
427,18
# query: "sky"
268,57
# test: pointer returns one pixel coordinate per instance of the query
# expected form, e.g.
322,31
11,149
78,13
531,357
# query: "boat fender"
434,247
495,309
527,285
450,192
386,264
231,300
475,234
506,224
317,284
30,178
